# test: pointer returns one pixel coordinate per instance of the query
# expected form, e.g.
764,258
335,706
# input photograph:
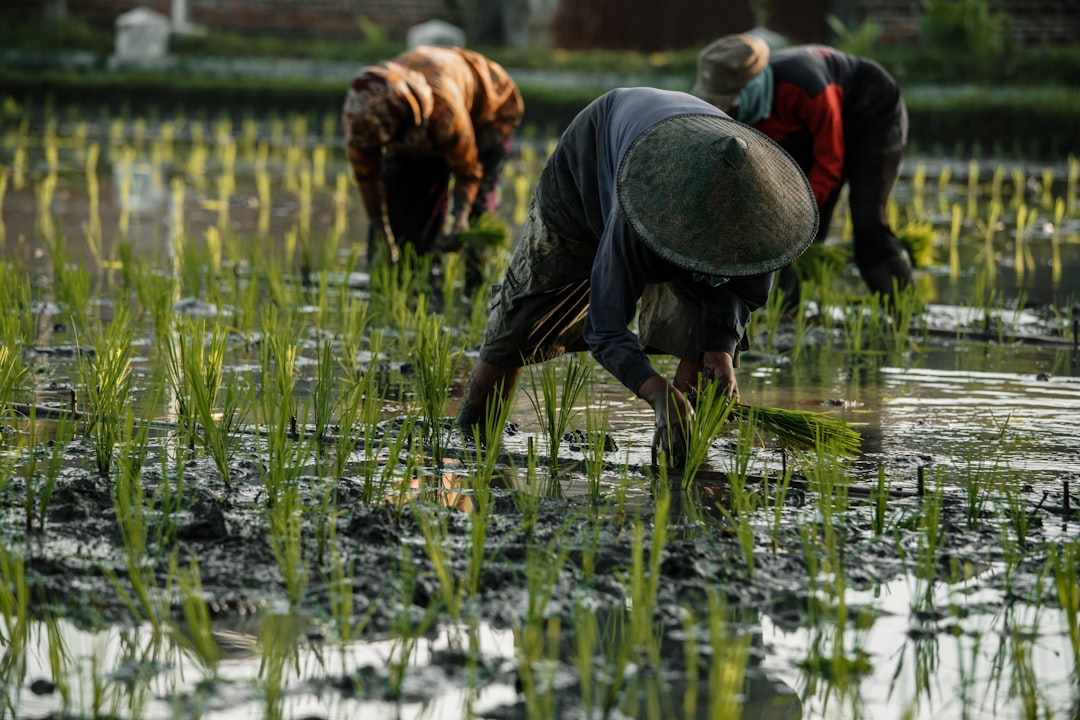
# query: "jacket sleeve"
822,115
727,308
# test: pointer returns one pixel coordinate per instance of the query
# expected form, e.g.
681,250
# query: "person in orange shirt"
412,124
843,120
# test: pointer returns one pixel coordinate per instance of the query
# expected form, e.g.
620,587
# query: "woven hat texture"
712,195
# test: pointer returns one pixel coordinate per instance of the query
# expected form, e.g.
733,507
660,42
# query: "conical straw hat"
709,194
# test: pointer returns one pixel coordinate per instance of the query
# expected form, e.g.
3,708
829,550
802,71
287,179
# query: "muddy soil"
225,528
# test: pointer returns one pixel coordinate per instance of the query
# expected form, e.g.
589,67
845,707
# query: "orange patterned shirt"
430,100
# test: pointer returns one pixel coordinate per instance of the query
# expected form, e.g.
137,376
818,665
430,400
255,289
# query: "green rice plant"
325,400
15,613
586,641
856,333
71,285
146,601
1064,564
394,286
156,292
436,364
40,485
285,517
742,502
956,223
713,407
1055,242
280,638
3,192
406,630
597,414
199,631
196,377
879,501
903,307
488,231
286,453
729,658
536,639
18,320
554,402
107,381
453,590
803,429
931,537
1014,508
644,581
770,315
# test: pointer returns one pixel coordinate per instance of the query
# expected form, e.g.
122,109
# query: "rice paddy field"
230,486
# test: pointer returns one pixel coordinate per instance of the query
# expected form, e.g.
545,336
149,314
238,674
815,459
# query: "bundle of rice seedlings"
802,428
486,231
918,239
832,258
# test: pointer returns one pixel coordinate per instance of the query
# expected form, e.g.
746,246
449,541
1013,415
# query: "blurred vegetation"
994,97
962,41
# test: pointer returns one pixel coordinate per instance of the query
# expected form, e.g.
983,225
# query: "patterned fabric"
434,102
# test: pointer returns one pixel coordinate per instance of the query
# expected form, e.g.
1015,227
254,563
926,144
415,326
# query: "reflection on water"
978,659
972,396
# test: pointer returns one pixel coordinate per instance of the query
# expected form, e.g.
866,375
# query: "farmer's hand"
450,242
382,240
673,415
719,367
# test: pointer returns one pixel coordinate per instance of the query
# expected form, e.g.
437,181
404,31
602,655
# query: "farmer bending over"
654,196
411,123
840,116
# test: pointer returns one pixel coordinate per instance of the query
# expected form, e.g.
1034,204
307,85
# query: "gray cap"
713,195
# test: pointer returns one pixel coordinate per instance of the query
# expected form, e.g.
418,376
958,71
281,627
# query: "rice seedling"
931,537
1064,564
285,517
644,581
536,639
146,602
15,613
770,316
71,285
198,630
554,403
39,486
597,415
918,239
729,658
713,407
879,500
196,377
436,365
404,627
742,503
107,381
280,636
803,429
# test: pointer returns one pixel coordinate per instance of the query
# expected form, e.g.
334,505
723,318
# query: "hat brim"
710,194
722,101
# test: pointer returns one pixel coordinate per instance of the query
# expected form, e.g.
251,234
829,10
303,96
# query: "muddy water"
885,633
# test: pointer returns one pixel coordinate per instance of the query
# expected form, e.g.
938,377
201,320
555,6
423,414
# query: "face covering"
755,98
